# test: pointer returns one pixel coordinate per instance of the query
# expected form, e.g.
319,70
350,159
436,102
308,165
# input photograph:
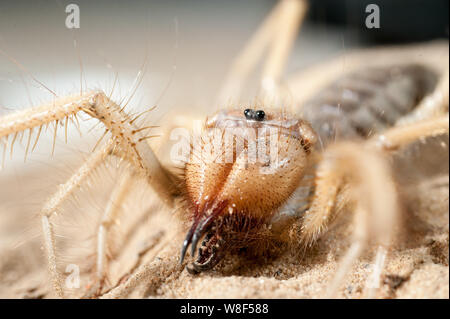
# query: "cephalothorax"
233,196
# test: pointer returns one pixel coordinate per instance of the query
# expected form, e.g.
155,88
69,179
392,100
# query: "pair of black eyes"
254,115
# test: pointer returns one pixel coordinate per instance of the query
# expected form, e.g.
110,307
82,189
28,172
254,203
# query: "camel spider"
232,205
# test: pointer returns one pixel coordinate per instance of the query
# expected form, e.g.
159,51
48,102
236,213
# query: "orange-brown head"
242,169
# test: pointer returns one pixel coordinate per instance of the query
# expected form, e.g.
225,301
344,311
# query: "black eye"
249,114
259,115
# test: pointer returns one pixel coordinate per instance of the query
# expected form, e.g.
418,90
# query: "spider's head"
242,169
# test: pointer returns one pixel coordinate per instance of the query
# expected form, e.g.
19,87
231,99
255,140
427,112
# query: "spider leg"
55,201
114,208
374,279
126,139
277,32
344,167
431,106
152,274
396,137
122,128
283,39
376,213
307,83
404,134
111,213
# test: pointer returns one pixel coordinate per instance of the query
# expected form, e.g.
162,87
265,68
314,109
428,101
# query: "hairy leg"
150,274
126,141
397,137
52,205
346,165
277,33
373,192
128,137
433,105
112,212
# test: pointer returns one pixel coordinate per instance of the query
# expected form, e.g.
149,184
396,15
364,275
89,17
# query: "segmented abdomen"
367,101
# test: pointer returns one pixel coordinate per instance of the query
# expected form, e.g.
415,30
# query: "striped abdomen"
367,101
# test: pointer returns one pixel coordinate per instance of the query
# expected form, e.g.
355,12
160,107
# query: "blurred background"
400,21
